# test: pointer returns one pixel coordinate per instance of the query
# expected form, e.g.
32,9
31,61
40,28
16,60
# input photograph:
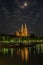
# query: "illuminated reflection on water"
22,56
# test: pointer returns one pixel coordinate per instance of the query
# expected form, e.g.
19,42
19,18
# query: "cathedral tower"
23,31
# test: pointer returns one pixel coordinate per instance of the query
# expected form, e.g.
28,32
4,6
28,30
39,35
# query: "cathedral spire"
26,31
23,31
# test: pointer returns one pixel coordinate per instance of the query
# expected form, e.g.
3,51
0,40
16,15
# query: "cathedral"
23,31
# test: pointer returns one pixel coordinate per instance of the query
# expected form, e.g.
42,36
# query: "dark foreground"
20,56
16,60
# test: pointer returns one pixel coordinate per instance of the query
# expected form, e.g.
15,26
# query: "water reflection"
26,54
22,55
23,52
12,51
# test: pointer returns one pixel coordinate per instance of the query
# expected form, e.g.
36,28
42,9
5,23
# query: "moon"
25,4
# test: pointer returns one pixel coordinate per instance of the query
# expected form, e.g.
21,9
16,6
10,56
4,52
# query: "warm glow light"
26,54
23,31
22,55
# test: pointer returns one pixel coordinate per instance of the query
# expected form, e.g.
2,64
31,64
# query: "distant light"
25,4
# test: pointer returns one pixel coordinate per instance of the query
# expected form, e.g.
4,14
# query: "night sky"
14,13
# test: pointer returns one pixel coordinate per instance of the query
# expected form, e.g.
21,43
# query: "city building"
23,31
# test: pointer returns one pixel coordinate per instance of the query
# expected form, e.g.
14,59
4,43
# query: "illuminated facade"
23,31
